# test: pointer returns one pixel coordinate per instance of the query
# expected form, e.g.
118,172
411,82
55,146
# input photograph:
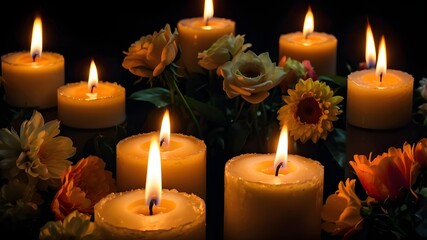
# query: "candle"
318,47
379,98
262,204
31,78
91,104
151,213
183,161
198,34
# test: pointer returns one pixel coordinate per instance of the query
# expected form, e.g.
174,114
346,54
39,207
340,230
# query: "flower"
10,151
420,152
75,226
83,185
250,76
310,110
222,51
295,70
149,56
341,212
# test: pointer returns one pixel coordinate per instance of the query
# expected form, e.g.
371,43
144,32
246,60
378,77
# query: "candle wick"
162,141
207,21
92,87
34,56
150,207
277,168
381,77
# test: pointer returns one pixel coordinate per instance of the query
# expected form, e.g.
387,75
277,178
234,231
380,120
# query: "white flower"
423,88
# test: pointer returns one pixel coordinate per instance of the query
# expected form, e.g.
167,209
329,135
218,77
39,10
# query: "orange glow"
165,130
370,51
37,38
282,149
308,23
153,183
382,59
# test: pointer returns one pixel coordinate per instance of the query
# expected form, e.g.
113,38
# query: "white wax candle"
376,104
260,205
31,83
78,109
183,163
125,215
197,35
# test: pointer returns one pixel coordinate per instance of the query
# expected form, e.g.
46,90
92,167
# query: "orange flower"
420,152
388,173
83,185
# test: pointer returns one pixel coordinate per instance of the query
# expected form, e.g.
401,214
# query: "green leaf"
210,112
335,79
156,95
335,142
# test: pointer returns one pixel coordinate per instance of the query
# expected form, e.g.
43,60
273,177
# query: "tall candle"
260,204
91,104
318,47
183,161
198,34
31,78
152,213
379,98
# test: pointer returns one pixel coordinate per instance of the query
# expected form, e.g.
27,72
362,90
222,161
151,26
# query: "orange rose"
83,185
388,173
420,152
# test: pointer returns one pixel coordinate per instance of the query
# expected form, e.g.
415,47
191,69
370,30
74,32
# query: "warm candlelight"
273,196
198,34
379,98
320,48
91,104
153,212
370,52
183,160
31,78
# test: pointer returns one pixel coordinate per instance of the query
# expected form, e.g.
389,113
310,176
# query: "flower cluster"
421,102
396,203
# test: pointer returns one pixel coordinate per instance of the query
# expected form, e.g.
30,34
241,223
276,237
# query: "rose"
250,76
420,152
223,50
149,56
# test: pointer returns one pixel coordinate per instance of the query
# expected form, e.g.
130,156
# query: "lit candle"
318,47
152,213
31,78
91,104
273,196
379,98
183,161
198,34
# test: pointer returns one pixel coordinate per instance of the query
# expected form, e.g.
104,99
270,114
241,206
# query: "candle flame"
37,39
165,130
370,52
382,59
282,149
153,182
209,11
308,23
93,77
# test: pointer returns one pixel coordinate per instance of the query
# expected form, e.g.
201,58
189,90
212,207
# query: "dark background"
81,31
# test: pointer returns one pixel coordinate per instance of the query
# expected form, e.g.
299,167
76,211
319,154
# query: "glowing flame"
153,182
308,23
370,52
37,39
165,130
93,77
282,149
209,10
382,59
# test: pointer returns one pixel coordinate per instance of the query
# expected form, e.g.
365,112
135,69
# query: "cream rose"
149,56
223,50
250,76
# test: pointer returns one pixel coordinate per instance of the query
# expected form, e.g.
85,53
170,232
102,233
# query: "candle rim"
117,94
326,37
186,22
354,77
59,58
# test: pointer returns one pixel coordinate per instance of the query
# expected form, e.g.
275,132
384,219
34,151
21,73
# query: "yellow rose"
223,50
250,76
149,56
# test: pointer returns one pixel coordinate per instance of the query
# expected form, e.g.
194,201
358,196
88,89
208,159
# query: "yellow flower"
46,153
250,76
223,50
310,110
75,226
341,212
149,56
83,185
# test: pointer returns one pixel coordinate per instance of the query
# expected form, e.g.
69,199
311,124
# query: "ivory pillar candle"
32,78
379,102
104,107
318,47
198,34
183,163
260,205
